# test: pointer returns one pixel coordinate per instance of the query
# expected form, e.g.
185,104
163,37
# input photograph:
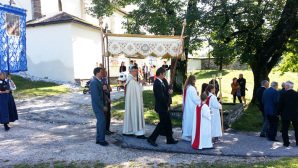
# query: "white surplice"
134,122
189,105
215,119
201,132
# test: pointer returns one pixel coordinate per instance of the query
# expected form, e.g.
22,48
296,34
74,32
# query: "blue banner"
12,39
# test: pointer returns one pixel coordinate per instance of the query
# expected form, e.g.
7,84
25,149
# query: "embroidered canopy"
12,39
141,46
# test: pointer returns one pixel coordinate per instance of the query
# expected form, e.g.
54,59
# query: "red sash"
208,99
196,141
184,96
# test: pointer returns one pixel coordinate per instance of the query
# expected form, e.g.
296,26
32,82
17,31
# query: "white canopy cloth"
141,46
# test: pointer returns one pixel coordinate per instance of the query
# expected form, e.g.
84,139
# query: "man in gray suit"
99,109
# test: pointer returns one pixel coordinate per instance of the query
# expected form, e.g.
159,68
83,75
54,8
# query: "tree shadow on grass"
208,74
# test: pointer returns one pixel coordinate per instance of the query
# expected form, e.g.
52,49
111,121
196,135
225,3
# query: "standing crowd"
276,104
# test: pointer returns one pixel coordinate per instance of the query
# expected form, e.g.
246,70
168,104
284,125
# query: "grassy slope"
27,88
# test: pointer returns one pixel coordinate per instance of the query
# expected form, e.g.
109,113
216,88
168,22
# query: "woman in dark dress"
8,111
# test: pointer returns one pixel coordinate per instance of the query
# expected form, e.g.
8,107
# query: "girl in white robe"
201,132
190,101
213,103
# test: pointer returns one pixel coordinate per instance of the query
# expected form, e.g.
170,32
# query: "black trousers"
234,98
285,129
145,76
165,124
108,117
273,125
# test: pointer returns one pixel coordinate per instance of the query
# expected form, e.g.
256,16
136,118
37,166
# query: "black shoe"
104,143
151,142
127,134
172,142
286,145
6,128
108,132
142,137
273,139
262,135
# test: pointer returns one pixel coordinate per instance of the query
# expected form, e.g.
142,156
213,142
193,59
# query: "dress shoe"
286,145
172,142
108,132
104,143
142,137
273,139
262,135
151,142
127,134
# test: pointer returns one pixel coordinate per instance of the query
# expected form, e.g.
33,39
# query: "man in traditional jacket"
134,122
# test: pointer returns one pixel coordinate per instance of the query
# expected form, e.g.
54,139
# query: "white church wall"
86,50
49,52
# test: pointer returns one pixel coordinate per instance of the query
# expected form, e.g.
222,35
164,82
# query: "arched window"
60,5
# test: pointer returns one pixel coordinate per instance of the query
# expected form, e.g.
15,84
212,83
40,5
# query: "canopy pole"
176,61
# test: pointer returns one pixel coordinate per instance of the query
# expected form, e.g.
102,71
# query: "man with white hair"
288,110
260,91
270,101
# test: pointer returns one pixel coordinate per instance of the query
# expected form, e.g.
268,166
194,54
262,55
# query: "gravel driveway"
62,128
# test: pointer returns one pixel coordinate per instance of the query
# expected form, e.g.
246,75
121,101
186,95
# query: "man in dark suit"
283,89
260,91
288,109
161,95
97,89
270,101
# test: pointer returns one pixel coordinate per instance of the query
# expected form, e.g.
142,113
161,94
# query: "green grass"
280,163
252,117
150,115
27,88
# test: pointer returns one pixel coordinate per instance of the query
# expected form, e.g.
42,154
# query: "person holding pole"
214,104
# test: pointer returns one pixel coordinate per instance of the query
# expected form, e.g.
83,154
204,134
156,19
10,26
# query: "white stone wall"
193,64
50,52
86,47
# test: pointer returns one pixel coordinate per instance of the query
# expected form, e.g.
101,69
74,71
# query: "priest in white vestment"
201,132
134,122
213,103
190,101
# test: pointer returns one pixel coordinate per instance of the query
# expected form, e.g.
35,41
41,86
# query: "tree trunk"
260,73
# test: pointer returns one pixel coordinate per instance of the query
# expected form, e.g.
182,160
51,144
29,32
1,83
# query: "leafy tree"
159,17
290,58
256,30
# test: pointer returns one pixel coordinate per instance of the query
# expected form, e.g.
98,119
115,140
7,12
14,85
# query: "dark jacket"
283,90
288,105
167,88
270,101
123,69
161,97
96,95
242,83
260,92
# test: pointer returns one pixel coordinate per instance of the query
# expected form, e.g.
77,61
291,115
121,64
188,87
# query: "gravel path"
62,128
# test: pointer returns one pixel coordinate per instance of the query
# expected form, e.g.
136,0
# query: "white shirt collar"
159,80
132,76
